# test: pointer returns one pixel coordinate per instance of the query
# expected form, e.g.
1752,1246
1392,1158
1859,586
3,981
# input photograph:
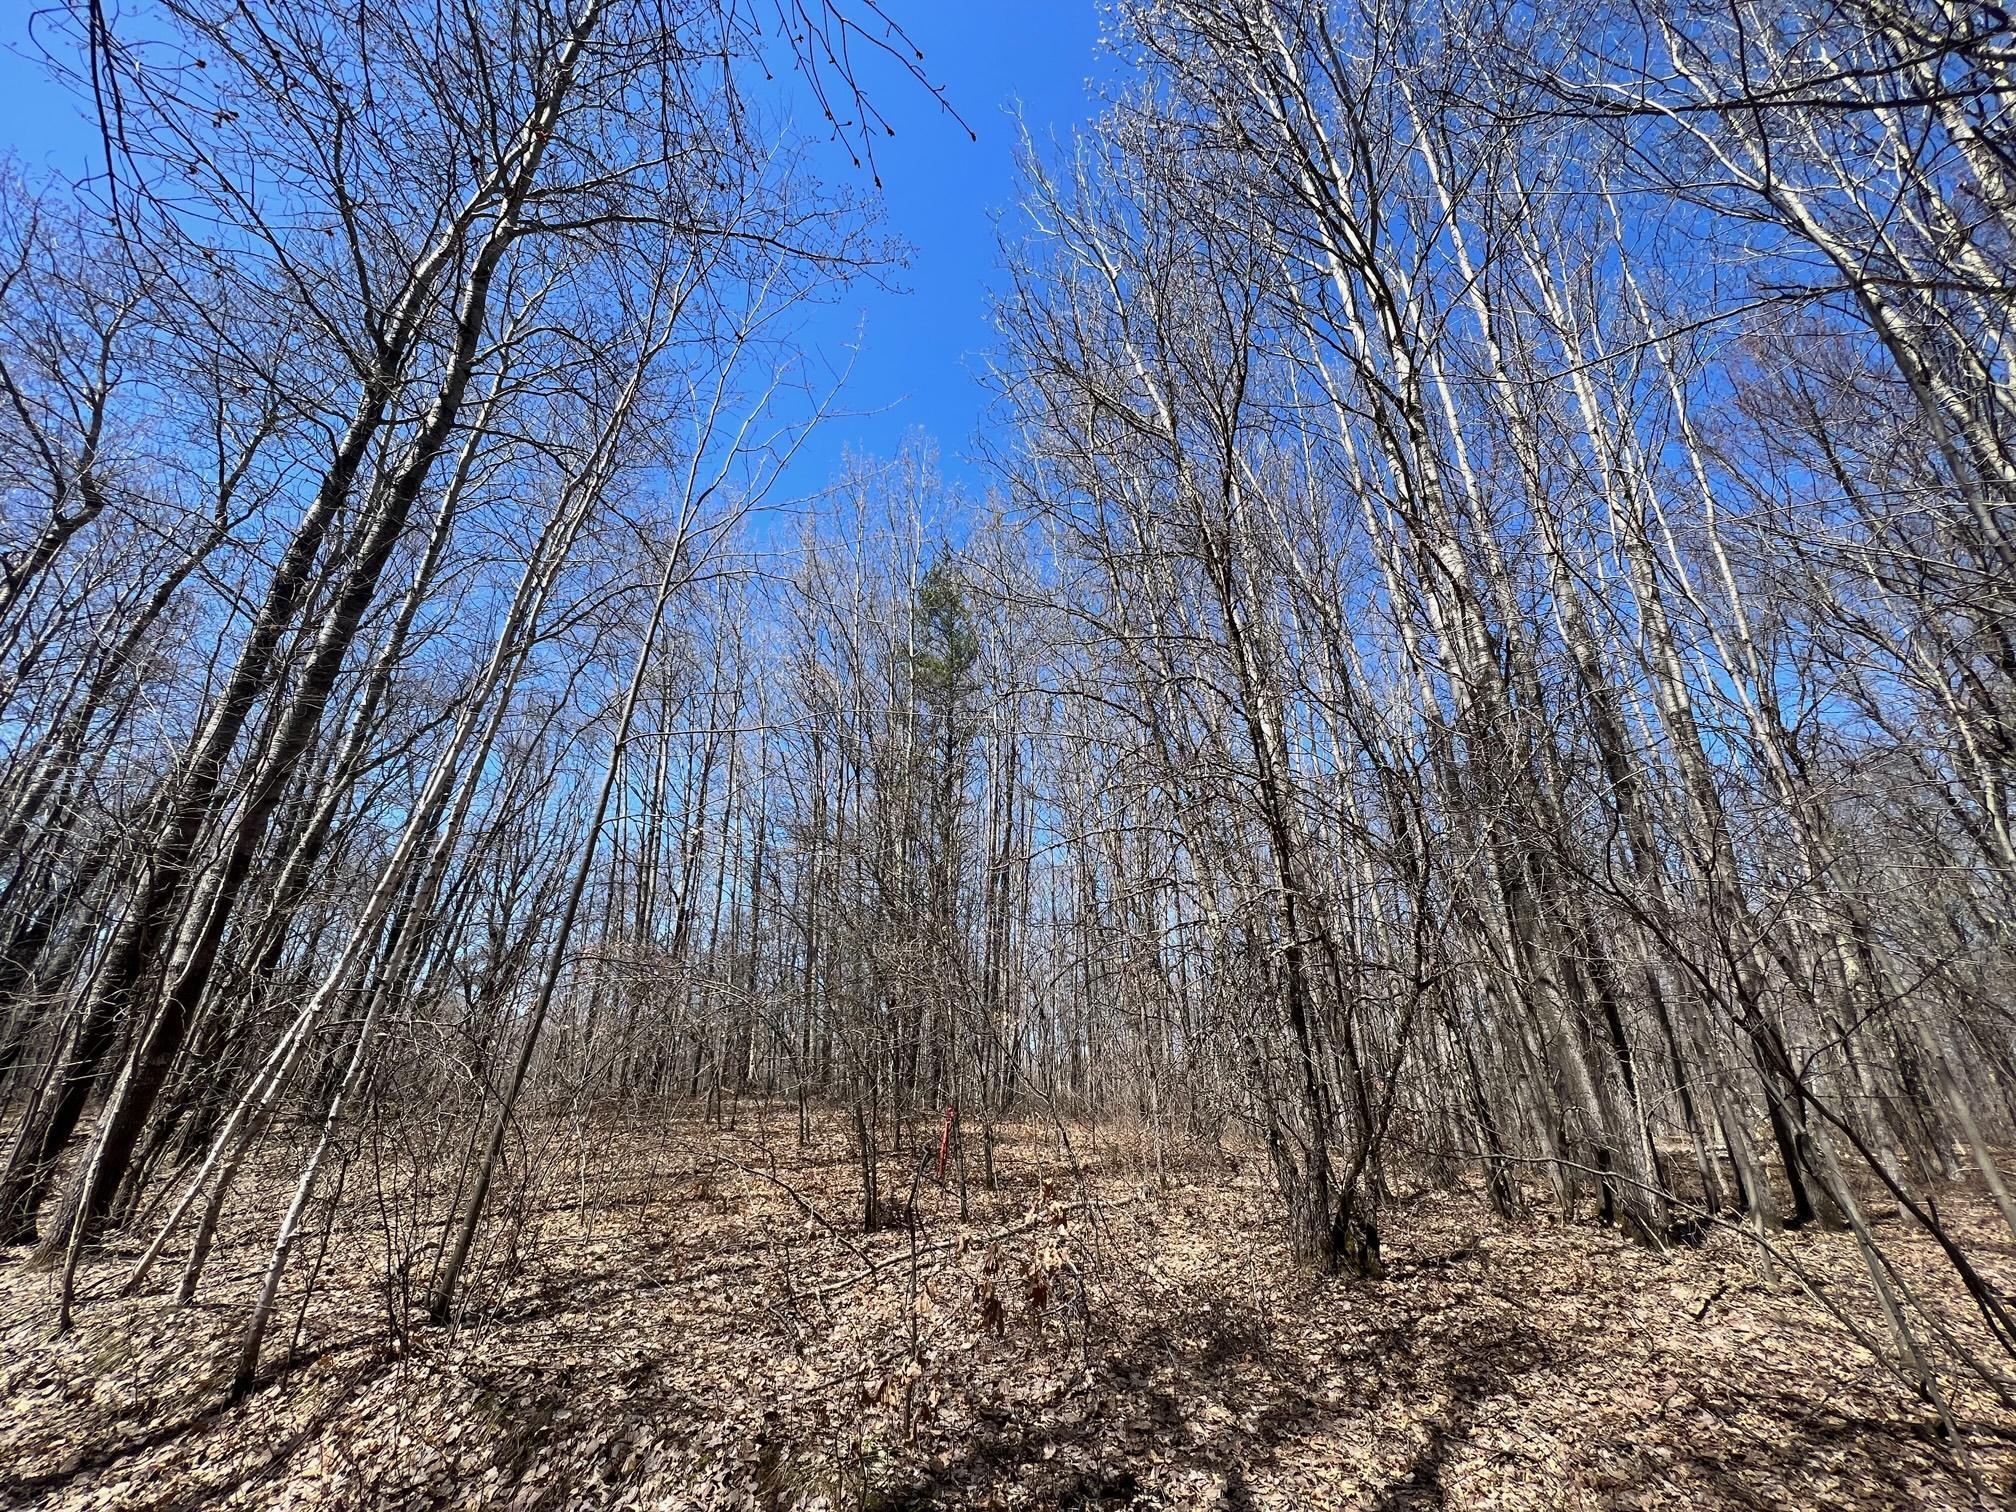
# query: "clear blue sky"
924,338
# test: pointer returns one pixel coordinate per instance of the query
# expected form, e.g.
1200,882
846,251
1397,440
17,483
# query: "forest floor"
682,1316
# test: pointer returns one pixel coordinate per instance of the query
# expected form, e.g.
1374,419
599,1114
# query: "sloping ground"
676,1325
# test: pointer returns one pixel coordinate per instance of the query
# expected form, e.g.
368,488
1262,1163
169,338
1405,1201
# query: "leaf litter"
690,1317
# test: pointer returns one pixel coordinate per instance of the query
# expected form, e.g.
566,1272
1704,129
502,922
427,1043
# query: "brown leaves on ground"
685,1319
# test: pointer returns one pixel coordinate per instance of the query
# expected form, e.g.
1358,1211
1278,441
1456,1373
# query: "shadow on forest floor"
667,1339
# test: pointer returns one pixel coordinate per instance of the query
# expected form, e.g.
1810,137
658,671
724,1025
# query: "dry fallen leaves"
711,1347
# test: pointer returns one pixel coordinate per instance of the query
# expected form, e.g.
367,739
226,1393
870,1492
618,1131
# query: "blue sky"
924,338
925,341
